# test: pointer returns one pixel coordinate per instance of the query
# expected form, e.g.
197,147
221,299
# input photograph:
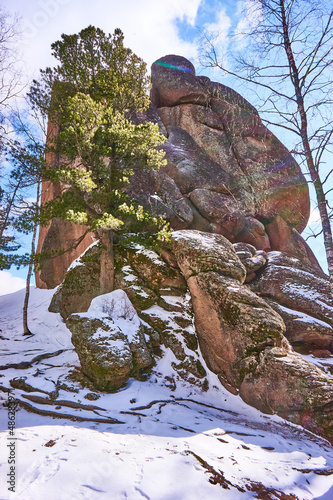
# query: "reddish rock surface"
226,173
58,235
306,333
294,284
242,338
286,239
264,177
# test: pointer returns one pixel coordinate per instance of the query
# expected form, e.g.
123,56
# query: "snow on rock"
115,305
295,285
306,333
109,340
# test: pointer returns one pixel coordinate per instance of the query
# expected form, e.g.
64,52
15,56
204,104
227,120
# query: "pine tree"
89,97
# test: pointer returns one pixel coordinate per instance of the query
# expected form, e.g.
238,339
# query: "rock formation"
226,173
238,285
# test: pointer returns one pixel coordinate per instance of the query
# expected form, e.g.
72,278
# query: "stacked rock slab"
302,297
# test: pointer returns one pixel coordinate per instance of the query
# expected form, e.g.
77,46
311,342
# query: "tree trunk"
313,169
26,330
106,278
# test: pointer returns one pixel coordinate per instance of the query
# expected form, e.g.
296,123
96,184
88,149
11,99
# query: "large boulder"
282,382
256,168
231,321
110,341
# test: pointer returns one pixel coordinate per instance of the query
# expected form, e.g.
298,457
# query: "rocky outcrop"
294,284
303,298
238,280
242,169
231,321
226,173
158,292
245,336
242,338
110,341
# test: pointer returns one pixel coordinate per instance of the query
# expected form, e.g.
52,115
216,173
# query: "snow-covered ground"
162,439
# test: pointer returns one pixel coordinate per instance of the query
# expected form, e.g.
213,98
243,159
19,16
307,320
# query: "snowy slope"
162,439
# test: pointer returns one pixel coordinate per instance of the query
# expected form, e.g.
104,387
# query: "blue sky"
152,28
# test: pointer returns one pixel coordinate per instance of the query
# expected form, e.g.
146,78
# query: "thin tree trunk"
3,226
313,170
26,330
106,278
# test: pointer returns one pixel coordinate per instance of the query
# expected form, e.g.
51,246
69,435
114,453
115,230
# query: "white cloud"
10,283
217,36
221,25
149,26
251,15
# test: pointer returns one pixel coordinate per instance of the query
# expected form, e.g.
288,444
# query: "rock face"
109,340
301,296
244,160
231,321
226,172
242,338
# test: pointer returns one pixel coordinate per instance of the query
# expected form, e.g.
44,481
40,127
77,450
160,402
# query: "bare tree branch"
285,50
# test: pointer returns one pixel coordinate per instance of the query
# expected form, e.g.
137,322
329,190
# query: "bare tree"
10,74
284,49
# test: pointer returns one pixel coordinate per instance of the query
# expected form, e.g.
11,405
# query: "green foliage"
95,87
28,167
95,64
16,213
